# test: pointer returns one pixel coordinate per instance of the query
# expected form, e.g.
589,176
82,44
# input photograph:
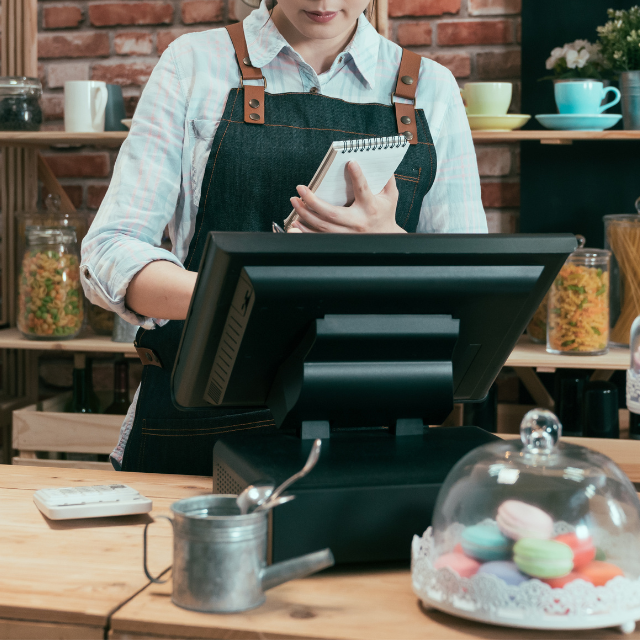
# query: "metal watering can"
219,556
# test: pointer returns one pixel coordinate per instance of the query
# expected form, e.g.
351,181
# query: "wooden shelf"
13,339
116,138
48,138
552,137
525,354
529,354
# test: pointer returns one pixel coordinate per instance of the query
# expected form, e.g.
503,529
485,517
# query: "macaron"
464,566
519,520
583,549
506,571
543,558
599,573
485,542
558,583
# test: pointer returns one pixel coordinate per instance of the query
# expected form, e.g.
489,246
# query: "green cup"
487,98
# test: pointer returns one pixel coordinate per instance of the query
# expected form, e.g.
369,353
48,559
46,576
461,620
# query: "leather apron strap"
406,88
253,94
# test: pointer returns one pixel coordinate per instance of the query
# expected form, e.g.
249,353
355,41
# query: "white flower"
572,59
583,56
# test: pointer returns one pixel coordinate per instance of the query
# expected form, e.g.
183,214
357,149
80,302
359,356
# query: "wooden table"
83,580
65,579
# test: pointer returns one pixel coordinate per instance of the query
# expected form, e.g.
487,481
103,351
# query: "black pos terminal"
363,341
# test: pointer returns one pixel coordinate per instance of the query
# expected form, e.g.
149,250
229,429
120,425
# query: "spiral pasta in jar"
50,299
578,307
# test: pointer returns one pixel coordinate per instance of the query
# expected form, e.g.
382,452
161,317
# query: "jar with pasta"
622,237
578,306
50,299
537,327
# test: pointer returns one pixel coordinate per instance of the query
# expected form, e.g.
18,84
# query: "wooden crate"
45,427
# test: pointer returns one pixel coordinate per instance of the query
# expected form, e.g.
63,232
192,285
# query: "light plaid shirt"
157,177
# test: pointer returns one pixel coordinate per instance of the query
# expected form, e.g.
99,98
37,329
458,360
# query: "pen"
277,228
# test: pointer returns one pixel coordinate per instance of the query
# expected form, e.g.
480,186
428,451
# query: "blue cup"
584,96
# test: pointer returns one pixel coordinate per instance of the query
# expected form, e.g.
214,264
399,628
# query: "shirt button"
340,59
313,90
87,275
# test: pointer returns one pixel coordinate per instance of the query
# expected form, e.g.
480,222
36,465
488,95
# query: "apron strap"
406,88
253,94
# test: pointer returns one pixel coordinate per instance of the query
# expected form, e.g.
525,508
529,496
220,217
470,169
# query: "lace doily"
533,604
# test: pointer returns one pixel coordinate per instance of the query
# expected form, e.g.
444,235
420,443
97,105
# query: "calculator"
96,501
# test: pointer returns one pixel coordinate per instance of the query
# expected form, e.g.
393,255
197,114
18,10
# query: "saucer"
127,122
578,121
507,122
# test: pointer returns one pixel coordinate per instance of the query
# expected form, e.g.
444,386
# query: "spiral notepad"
378,158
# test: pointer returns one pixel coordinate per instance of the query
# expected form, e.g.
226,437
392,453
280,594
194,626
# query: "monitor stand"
373,488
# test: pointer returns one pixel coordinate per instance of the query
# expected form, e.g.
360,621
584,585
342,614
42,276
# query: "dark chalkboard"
569,188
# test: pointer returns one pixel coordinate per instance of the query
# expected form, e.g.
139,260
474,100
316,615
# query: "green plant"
620,39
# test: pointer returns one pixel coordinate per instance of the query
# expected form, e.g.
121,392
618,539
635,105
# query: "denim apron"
257,158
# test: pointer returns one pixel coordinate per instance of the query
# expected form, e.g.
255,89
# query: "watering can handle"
144,553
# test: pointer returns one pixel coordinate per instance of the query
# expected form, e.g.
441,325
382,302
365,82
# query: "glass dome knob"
540,431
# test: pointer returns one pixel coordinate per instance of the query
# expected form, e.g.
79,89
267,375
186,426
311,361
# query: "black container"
568,395
20,104
600,410
634,426
114,111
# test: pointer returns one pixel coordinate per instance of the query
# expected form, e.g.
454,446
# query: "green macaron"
543,558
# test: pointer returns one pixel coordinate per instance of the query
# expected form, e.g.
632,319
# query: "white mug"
84,106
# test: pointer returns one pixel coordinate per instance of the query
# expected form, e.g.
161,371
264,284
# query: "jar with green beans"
50,299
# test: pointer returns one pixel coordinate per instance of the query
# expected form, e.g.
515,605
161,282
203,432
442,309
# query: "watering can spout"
296,568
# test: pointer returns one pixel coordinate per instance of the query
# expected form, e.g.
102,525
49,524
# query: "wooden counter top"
83,580
77,572
372,604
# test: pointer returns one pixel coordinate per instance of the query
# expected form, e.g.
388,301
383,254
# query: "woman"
204,154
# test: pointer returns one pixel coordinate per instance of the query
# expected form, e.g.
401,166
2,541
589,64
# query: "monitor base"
370,492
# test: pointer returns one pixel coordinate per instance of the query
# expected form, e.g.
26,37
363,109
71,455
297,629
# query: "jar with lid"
578,314
20,104
537,327
622,238
534,533
50,298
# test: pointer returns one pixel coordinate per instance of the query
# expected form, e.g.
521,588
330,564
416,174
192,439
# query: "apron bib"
252,171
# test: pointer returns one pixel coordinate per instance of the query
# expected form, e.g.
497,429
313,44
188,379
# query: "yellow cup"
487,98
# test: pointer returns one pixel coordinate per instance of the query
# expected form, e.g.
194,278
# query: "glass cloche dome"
534,533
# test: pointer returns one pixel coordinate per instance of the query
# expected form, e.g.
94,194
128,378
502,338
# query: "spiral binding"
373,144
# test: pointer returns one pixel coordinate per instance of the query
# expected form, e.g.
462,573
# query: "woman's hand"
367,214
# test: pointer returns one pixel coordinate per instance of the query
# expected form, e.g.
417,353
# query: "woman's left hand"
367,214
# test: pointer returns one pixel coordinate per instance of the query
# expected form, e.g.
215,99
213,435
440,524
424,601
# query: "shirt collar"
264,43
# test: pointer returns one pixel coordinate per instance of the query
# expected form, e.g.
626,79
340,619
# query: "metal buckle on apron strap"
253,94
148,357
406,88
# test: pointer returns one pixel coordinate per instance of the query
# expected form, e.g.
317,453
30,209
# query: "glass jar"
20,104
537,327
50,298
533,533
578,315
622,237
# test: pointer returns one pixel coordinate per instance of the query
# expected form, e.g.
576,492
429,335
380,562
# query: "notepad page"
378,159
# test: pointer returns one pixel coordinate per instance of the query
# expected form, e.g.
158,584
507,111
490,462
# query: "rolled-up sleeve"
142,197
454,203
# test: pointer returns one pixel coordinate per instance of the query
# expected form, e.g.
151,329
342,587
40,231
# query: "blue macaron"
485,542
505,570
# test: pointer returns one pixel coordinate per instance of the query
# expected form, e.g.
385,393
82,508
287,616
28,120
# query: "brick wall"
120,42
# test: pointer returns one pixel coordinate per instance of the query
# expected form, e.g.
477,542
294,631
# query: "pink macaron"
519,520
464,566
